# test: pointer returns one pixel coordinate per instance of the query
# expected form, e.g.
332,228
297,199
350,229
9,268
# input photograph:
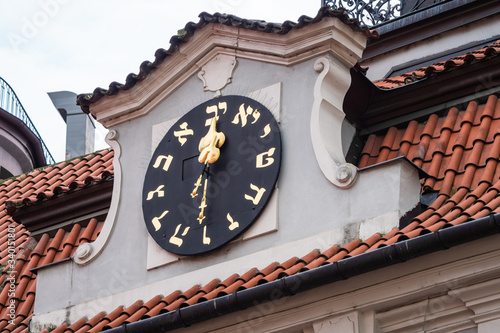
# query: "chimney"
80,128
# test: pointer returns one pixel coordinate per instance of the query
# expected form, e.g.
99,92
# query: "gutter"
386,256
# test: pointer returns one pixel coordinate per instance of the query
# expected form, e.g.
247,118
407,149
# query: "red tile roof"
484,54
33,188
460,151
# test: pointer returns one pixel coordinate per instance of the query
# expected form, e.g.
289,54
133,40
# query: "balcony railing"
10,103
373,12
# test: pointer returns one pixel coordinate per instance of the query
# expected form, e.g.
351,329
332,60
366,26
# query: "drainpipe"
239,300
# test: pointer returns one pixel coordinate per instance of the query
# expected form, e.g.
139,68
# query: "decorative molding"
217,73
87,252
327,116
441,313
84,251
347,323
480,299
330,36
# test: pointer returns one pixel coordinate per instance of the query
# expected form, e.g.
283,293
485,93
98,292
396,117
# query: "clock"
211,175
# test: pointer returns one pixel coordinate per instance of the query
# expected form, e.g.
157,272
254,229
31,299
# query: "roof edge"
344,269
402,103
29,140
145,69
50,213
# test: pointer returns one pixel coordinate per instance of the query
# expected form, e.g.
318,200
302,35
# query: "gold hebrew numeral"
156,220
260,191
159,191
267,130
184,131
168,159
243,114
232,224
215,110
269,160
206,239
177,240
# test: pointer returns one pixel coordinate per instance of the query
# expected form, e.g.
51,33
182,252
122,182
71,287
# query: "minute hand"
209,153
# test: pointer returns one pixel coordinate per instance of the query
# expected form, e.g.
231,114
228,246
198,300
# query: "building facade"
316,176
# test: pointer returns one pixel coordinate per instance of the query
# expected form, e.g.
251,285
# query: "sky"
77,45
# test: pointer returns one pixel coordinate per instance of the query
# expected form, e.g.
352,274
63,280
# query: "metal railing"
10,103
373,12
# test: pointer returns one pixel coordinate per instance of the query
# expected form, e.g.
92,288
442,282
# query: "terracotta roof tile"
216,292
155,310
143,309
30,253
276,273
88,232
124,315
469,155
199,296
301,263
92,322
106,320
453,64
182,300
76,325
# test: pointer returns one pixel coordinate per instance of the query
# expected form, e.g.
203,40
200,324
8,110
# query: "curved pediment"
215,35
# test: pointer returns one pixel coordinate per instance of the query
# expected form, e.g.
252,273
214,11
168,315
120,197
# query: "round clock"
211,175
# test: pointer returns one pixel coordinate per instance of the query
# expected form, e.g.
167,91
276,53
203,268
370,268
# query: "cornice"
328,36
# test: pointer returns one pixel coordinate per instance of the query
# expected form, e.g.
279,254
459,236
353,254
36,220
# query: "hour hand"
210,144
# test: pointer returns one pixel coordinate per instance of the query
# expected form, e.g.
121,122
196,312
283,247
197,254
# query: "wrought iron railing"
10,103
373,12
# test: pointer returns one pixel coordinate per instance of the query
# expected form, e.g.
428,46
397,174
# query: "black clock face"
211,175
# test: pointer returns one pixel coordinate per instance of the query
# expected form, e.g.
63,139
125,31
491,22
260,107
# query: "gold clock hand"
210,144
196,185
203,204
209,153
